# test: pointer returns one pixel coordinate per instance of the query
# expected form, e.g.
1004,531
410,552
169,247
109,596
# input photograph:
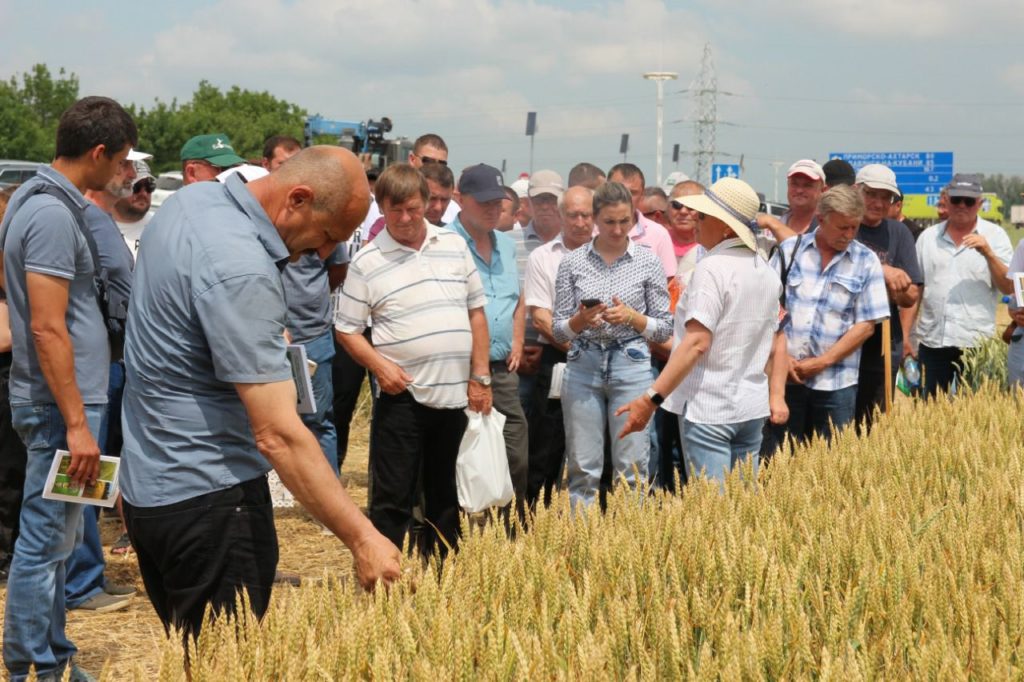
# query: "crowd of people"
630,334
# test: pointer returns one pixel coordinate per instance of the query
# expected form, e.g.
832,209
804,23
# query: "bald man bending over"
209,398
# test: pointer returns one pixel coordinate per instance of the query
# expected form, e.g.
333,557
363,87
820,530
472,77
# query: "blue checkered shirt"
824,305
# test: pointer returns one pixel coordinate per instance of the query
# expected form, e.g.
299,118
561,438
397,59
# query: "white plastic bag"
481,470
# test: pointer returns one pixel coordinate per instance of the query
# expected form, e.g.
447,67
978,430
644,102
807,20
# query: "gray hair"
575,189
610,194
841,199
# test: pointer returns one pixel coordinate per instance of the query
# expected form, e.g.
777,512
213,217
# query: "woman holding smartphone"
611,299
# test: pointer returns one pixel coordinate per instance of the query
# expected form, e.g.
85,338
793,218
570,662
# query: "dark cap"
215,149
839,172
965,185
482,182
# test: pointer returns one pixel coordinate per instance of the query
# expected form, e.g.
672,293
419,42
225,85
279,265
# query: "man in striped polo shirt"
421,289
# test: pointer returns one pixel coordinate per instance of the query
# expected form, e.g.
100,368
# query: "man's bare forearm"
360,350
543,322
480,358
295,454
853,339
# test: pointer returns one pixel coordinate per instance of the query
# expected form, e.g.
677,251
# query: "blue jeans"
35,618
815,413
715,449
600,380
321,422
84,568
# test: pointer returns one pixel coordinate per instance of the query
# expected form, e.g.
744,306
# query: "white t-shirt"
132,233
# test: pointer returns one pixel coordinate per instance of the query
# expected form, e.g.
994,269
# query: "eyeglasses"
431,159
969,202
147,184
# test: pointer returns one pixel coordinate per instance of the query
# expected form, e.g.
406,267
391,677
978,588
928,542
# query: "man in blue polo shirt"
210,400
480,193
61,358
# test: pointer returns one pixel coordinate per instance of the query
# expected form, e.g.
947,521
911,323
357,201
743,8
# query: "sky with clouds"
798,78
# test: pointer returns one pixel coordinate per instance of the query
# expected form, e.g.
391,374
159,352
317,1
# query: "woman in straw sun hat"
727,337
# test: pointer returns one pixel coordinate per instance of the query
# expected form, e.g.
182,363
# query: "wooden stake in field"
887,354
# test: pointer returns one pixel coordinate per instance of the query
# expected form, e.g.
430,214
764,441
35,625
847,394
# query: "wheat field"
898,555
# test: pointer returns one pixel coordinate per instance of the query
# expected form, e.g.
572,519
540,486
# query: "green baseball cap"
215,149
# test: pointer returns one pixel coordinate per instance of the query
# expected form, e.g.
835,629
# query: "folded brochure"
103,492
302,370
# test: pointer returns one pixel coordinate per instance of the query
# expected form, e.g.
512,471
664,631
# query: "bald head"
336,179
315,199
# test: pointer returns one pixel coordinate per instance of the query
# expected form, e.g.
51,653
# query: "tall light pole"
659,77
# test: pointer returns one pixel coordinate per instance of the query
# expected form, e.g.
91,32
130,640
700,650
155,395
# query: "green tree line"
31,105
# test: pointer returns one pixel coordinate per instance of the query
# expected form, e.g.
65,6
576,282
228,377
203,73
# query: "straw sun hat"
732,201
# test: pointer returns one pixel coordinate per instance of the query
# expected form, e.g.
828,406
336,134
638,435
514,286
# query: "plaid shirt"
824,304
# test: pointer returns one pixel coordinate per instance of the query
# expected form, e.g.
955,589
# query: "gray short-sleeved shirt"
207,311
308,293
39,234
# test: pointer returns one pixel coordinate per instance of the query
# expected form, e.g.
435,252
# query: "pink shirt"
655,237
682,249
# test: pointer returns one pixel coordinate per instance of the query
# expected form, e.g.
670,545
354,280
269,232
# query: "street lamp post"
659,77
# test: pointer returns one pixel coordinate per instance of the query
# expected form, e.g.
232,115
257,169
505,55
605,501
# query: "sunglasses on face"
431,159
969,202
652,214
147,185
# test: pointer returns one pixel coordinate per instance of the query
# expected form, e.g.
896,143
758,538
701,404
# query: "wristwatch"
655,397
482,379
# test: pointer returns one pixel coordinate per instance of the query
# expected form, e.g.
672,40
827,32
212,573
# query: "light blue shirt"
40,235
207,311
500,278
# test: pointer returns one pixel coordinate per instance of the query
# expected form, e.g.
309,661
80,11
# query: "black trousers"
405,437
940,366
204,550
547,433
347,376
12,477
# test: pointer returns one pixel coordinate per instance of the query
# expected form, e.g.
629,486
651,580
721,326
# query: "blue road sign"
916,172
724,170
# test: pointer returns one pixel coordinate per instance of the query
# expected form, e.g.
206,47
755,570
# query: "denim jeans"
84,569
815,413
35,618
321,422
600,380
714,449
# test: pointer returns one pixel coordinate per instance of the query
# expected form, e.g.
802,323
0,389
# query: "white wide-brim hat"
732,201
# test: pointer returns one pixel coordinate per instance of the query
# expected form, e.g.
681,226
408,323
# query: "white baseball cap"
878,176
808,167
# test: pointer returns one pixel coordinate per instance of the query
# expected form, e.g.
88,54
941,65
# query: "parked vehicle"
17,172
166,184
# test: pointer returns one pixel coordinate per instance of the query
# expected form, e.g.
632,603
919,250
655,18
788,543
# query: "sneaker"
80,675
119,590
104,603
